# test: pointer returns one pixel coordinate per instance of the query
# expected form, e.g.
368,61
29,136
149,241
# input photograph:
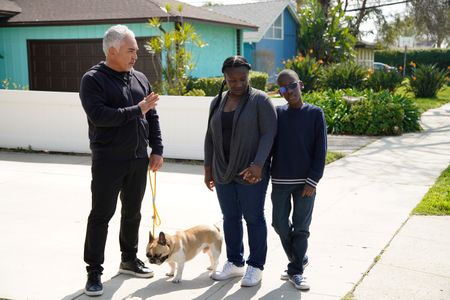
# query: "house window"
275,31
238,41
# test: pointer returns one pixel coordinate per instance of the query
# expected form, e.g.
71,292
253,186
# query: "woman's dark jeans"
239,200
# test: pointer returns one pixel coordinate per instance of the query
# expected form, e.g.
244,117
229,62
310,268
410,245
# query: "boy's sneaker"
299,282
252,276
135,267
94,286
285,275
229,270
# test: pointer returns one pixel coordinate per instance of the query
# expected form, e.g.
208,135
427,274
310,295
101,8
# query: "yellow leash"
155,217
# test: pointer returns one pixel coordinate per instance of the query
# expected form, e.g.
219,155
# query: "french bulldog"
183,246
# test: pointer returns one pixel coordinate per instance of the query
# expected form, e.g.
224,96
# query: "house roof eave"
45,13
114,21
293,12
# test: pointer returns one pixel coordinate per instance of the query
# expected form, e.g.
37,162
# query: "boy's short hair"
287,72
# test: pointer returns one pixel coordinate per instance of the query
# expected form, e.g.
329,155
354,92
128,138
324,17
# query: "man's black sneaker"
135,267
94,286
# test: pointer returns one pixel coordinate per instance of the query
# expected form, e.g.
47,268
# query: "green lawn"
425,104
332,156
437,200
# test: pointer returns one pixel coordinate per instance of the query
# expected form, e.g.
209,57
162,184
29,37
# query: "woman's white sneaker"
252,276
229,270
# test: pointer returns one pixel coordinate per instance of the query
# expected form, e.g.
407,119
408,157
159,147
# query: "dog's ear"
162,239
151,238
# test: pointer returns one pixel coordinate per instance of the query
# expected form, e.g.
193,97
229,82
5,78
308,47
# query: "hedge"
440,57
211,85
376,113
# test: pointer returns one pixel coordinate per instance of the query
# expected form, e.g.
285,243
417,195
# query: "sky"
387,11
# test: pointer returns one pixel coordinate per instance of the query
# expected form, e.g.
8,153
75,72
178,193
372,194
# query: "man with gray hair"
120,108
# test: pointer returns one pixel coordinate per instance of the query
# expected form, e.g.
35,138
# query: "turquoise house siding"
280,49
221,42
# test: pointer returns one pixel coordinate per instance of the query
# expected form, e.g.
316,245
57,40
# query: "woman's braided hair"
231,62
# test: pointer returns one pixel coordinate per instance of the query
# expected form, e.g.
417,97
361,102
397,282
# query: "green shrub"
426,80
381,113
195,92
333,105
308,70
6,84
258,80
157,88
376,114
210,85
411,117
342,76
382,80
272,87
440,57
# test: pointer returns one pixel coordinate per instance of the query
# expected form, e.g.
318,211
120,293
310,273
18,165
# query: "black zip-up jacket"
117,128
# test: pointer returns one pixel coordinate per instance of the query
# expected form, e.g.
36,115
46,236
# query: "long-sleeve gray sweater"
254,129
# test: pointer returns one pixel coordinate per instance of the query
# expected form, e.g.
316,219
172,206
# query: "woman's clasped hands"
252,174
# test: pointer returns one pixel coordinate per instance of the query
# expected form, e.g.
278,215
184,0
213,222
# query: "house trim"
271,27
122,21
293,13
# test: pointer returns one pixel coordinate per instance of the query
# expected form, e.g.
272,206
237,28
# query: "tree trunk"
361,15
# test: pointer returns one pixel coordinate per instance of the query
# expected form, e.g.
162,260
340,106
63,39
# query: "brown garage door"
58,65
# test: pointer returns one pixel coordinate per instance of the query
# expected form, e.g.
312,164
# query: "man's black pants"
109,178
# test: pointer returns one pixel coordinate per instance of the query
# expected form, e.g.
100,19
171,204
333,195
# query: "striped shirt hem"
309,181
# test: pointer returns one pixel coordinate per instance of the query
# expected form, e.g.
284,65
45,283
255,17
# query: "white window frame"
272,28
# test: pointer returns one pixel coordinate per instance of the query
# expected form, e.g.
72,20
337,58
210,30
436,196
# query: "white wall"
56,122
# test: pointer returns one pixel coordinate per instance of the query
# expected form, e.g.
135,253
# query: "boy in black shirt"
298,162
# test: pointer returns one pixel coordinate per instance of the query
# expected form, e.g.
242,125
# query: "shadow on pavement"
285,292
165,286
242,293
50,158
110,287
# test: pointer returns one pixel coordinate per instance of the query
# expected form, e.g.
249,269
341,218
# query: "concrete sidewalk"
415,265
362,201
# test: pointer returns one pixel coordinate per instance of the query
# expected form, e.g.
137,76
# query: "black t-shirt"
227,130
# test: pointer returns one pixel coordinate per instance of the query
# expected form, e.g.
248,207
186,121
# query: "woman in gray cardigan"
241,128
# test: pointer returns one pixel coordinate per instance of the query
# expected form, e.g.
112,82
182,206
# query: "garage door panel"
58,65
55,81
39,51
55,50
70,50
85,49
41,64
42,81
71,66
73,82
